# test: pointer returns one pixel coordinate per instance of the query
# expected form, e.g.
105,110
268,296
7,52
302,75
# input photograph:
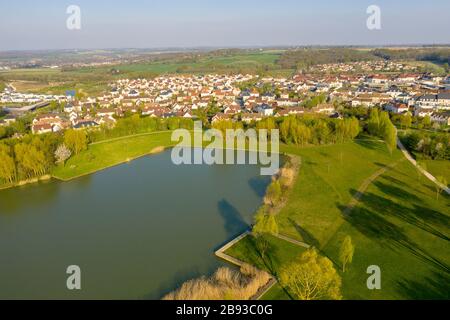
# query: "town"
246,98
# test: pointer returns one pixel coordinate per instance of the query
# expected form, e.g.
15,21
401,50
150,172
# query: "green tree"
273,193
346,252
373,124
75,140
390,137
426,121
440,186
406,120
312,277
265,223
7,164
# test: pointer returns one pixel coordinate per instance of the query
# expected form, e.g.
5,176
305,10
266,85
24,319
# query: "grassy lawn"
397,225
439,168
328,177
109,153
401,227
278,253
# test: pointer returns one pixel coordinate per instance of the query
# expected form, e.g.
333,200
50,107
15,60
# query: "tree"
346,252
30,160
406,120
7,165
265,223
373,124
262,245
390,137
303,134
440,186
426,121
62,153
312,277
75,140
273,193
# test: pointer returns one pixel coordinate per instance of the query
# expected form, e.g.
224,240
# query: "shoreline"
22,183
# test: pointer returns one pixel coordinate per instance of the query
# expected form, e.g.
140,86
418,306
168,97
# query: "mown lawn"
109,153
398,224
402,228
439,168
278,252
327,179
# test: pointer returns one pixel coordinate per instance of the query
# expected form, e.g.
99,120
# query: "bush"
224,284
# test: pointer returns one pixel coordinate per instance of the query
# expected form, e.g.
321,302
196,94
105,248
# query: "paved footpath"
424,172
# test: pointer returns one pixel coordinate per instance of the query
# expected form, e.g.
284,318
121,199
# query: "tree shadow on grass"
305,235
422,217
396,192
385,233
434,287
267,258
368,144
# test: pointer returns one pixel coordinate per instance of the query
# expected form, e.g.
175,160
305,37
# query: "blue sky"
27,24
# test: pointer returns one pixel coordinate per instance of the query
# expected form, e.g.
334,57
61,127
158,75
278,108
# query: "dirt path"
363,188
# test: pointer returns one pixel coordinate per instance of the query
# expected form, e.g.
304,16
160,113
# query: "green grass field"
439,168
110,153
397,225
94,80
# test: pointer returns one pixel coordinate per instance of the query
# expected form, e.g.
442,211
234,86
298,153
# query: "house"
85,124
396,107
42,128
442,118
220,117
106,112
326,108
289,111
265,110
439,101
249,117
423,112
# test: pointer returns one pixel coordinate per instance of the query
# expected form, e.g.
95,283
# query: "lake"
137,231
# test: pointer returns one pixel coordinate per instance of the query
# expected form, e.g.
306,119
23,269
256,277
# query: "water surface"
137,230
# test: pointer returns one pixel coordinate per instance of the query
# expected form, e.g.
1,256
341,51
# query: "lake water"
137,230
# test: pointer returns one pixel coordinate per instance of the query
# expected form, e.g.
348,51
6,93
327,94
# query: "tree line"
35,155
428,145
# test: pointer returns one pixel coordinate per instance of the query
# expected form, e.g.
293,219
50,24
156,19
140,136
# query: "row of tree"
303,131
34,156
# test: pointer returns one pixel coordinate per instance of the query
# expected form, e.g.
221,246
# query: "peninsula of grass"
396,223
109,153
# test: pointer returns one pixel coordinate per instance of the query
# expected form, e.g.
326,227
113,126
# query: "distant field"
94,80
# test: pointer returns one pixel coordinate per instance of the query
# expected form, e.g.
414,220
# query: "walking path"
424,172
363,188
221,254
293,241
